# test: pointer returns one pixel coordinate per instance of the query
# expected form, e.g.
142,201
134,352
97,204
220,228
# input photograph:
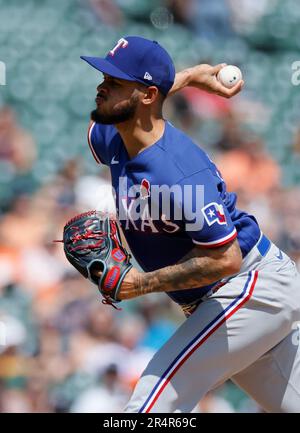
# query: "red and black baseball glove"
92,244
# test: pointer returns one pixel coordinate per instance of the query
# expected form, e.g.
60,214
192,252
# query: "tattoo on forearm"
194,270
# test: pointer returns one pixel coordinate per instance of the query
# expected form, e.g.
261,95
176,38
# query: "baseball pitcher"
239,292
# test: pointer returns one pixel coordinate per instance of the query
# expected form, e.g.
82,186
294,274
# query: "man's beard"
120,115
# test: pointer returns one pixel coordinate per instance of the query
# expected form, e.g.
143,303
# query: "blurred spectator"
232,136
14,401
107,11
26,225
211,19
64,183
249,169
184,117
13,335
95,192
108,396
246,13
182,11
206,105
13,366
17,148
159,326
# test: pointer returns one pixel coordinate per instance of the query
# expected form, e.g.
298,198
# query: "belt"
263,245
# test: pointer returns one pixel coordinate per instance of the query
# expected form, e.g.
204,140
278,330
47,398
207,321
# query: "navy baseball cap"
137,59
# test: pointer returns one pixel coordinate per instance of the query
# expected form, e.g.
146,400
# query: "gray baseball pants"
247,331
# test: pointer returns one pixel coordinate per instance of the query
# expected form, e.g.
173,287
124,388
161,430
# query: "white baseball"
229,76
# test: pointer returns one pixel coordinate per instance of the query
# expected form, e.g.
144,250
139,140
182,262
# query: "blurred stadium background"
61,350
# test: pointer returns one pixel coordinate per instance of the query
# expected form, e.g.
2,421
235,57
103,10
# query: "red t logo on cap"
122,43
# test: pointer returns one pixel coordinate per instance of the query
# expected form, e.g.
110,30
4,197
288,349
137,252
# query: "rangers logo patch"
118,255
214,213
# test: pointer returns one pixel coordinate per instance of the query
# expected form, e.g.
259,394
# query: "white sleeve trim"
219,241
90,143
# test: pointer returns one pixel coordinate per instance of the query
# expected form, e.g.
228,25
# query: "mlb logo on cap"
137,59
